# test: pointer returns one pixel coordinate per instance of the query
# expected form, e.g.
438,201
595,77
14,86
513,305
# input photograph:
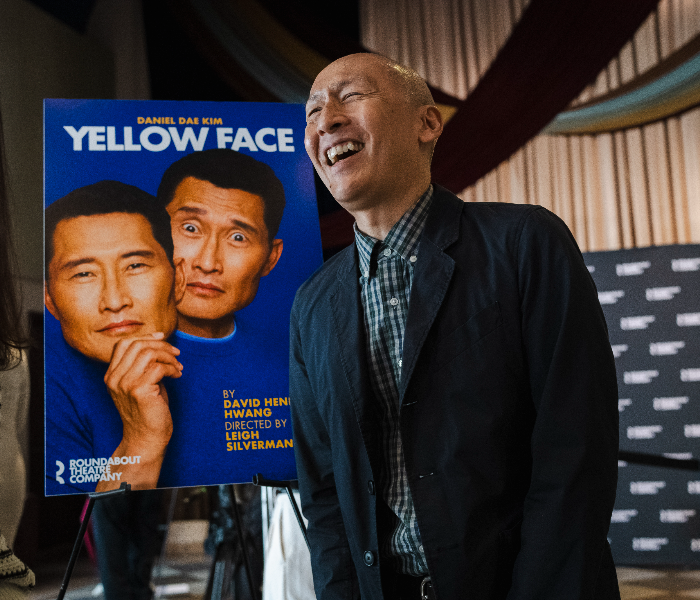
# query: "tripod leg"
244,550
76,548
297,514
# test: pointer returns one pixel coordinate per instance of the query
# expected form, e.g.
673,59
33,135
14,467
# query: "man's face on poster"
222,236
109,279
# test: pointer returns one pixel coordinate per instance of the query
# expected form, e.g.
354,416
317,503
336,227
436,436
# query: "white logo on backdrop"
662,293
590,268
648,544
675,516
623,516
692,431
670,403
695,545
694,487
639,377
628,323
622,402
690,374
621,463
610,297
665,348
685,264
679,455
633,268
688,319
646,488
618,349
643,432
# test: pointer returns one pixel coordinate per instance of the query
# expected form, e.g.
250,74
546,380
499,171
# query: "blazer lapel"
431,278
349,327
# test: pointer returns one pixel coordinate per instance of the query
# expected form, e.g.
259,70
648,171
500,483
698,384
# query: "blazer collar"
431,279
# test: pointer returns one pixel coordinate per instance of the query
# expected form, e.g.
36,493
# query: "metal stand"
124,487
259,480
223,563
654,460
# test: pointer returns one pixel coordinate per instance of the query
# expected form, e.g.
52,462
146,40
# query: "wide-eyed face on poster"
176,235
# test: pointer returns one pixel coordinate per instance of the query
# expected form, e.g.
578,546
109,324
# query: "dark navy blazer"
508,415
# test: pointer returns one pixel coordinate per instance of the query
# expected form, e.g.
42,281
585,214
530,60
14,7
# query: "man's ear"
431,124
180,281
48,302
275,254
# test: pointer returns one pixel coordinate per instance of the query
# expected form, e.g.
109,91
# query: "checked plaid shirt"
387,275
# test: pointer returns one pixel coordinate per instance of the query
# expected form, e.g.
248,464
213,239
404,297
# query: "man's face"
356,100
109,279
222,237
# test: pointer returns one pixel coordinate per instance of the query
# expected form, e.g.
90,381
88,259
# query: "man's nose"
115,296
331,117
207,258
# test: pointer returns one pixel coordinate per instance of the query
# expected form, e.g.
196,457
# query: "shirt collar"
402,238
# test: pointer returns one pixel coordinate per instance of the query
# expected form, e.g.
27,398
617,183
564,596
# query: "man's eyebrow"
245,226
193,210
139,254
89,260
338,85
71,264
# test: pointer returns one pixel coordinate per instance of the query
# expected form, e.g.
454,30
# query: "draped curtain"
625,188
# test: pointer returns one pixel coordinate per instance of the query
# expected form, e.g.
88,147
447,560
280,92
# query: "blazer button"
369,558
370,487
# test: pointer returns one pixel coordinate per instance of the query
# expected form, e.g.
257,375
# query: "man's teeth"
335,152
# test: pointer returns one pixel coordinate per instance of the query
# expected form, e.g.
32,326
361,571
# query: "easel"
223,563
123,488
222,560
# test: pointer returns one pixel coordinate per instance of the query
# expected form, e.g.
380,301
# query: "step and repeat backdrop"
651,301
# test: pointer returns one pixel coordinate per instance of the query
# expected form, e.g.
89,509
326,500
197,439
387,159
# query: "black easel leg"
76,549
244,550
124,487
297,514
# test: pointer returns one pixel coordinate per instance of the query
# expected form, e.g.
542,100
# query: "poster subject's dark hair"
103,198
229,170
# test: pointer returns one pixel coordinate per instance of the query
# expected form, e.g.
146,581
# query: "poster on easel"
176,236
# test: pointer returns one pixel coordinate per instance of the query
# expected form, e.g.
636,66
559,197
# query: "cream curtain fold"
623,189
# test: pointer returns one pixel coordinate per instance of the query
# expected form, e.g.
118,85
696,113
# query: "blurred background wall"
622,186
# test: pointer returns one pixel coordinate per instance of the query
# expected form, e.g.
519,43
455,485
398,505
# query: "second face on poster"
176,236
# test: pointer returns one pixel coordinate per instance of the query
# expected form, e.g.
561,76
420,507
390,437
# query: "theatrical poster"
176,235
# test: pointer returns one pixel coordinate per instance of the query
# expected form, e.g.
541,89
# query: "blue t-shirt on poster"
230,412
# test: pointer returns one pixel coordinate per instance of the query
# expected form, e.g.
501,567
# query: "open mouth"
342,151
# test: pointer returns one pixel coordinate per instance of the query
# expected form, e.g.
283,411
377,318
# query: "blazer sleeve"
331,562
575,436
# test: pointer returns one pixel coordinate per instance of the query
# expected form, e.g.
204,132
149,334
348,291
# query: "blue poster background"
281,146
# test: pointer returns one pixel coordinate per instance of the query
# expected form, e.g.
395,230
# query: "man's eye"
82,275
312,111
238,237
134,266
189,228
350,94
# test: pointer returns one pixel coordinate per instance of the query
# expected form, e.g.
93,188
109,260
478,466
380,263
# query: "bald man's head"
413,85
371,128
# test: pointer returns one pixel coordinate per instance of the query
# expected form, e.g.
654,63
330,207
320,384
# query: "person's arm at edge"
575,437
331,561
